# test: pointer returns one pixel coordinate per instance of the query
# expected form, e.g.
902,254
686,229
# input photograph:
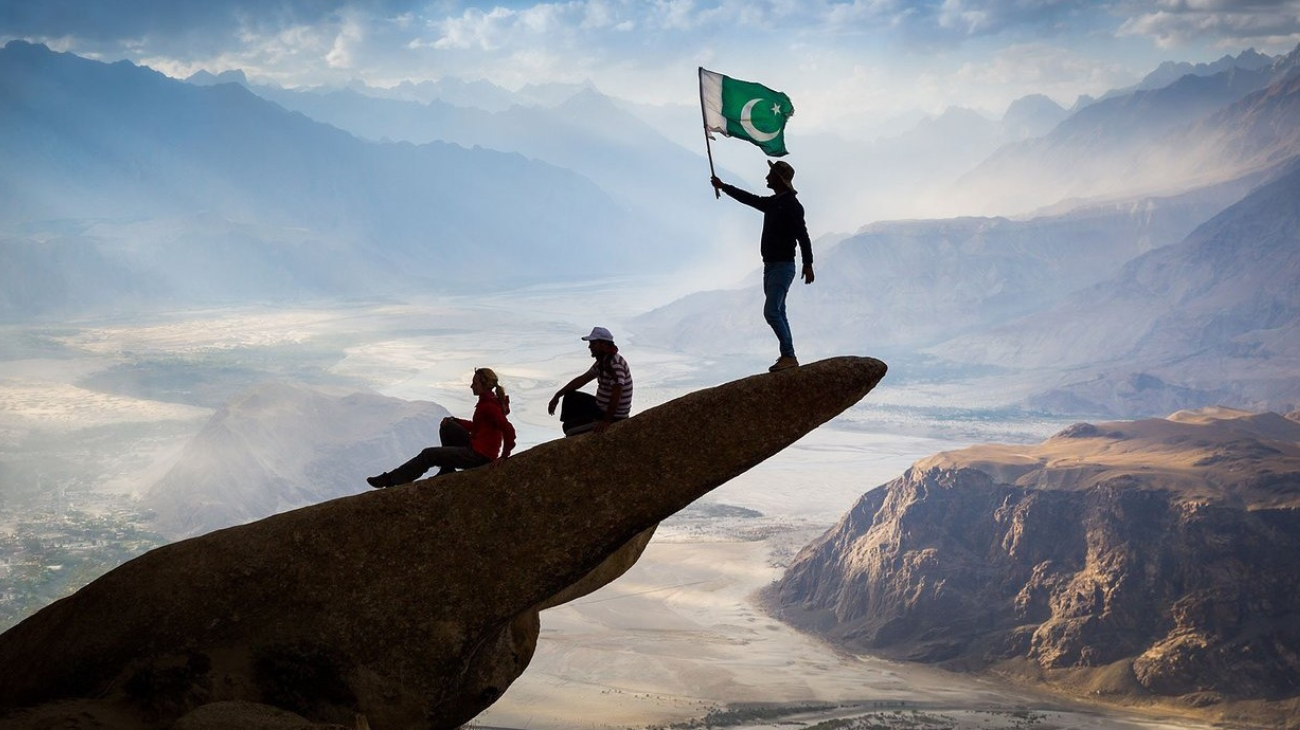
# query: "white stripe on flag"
711,99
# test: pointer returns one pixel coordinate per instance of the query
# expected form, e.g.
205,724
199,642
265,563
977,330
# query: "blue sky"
838,59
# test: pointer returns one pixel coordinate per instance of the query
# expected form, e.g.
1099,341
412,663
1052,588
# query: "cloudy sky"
838,59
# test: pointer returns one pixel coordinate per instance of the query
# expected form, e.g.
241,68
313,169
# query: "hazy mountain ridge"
629,150
1121,561
584,131
87,140
281,446
1211,319
1105,148
1170,71
1254,134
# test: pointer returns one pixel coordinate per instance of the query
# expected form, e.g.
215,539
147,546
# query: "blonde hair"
491,380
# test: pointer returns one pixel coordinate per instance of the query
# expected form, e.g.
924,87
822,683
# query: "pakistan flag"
745,110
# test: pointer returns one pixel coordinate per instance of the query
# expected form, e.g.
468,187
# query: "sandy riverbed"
683,633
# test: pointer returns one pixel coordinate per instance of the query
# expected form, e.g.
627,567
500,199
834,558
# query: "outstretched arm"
572,385
744,196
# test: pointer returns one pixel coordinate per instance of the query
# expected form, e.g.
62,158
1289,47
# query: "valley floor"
683,634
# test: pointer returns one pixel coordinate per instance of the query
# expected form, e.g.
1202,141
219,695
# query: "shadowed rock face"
415,606
1129,559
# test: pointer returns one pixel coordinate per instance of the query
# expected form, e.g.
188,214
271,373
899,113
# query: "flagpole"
705,119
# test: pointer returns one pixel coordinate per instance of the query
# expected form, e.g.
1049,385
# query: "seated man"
584,412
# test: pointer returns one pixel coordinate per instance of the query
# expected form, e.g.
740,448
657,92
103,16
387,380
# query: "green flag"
745,110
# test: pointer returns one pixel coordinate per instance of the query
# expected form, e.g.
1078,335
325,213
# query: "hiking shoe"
783,363
380,481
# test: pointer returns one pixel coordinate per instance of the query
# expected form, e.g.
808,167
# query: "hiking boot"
783,363
381,481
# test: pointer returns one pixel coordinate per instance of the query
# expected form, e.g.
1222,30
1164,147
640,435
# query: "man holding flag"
757,114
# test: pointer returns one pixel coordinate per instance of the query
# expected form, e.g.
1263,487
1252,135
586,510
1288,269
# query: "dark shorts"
579,413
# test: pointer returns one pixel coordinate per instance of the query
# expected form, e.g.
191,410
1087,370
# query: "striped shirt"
615,372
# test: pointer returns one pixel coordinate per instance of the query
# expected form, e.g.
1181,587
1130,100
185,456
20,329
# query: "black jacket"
783,224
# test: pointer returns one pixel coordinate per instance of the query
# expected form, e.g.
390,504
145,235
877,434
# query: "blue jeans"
777,279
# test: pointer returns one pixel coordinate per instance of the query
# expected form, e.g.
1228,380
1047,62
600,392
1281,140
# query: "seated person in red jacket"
465,444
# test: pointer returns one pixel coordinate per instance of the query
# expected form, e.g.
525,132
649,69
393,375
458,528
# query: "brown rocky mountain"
1143,561
415,606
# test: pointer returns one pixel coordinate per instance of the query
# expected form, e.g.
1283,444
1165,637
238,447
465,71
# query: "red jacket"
489,429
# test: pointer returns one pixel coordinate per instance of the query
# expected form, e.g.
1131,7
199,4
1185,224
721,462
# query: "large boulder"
415,606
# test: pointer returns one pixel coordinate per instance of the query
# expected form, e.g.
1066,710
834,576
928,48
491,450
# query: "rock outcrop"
1150,559
415,606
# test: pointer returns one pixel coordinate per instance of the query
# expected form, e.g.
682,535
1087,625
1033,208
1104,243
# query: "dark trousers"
454,453
579,412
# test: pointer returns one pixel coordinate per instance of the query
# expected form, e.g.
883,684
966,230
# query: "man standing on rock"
584,412
783,226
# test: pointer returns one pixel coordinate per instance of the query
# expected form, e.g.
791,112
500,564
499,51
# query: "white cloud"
884,55
341,54
675,14
1026,68
475,29
1269,24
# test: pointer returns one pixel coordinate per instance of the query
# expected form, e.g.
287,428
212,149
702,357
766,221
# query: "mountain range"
1214,318
572,127
1143,142
650,158
88,142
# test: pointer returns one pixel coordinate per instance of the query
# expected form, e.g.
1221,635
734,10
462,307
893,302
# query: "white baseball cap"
599,333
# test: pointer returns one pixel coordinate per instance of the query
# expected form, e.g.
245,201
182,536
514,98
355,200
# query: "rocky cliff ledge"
1149,560
414,606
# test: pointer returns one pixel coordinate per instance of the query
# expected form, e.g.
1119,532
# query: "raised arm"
744,196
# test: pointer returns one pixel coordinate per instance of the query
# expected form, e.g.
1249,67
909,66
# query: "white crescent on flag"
747,121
